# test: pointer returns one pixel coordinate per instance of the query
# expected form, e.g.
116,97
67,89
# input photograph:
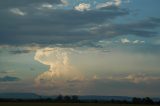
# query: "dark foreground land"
75,101
69,104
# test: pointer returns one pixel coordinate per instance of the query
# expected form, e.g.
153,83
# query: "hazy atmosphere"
80,47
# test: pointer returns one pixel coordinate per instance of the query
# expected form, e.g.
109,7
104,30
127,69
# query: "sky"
82,47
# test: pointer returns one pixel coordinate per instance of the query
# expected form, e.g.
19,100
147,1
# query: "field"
68,104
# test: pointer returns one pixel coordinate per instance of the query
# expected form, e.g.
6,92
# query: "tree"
75,98
147,100
67,98
59,98
136,100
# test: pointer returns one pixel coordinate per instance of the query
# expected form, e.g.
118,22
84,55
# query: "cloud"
8,79
7,72
53,27
117,2
95,77
60,70
125,40
143,28
107,4
65,2
58,27
135,78
82,7
119,87
104,5
138,42
138,78
23,3
21,49
17,11
46,6
4,46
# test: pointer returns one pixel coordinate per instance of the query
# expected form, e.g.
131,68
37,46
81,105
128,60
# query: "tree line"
75,99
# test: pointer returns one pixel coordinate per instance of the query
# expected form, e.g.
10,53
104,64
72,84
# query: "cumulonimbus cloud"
60,70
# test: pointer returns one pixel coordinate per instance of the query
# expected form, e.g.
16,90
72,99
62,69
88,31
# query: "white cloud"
82,7
60,70
117,2
125,41
17,11
47,5
135,78
138,42
138,78
109,4
65,2
142,41
102,5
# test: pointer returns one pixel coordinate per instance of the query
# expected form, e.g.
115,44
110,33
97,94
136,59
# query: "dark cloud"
20,51
60,26
6,4
8,79
144,28
52,27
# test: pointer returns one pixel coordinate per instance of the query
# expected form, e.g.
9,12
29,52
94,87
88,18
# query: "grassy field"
68,104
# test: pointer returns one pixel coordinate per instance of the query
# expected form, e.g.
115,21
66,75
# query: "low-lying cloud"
9,79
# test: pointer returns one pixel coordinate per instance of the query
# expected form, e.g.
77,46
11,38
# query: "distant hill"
19,96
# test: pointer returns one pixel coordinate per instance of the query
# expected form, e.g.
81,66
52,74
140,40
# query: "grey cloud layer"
8,79
142,28
58,26
62,26
6,4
